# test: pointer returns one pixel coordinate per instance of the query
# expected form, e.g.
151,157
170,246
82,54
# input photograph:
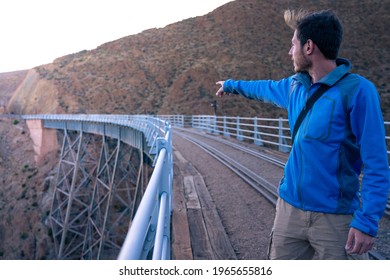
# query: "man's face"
300,60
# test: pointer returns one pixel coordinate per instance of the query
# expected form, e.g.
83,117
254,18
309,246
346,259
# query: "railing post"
282,140
209,128
195,121
256,135
238,130
225,130
215,130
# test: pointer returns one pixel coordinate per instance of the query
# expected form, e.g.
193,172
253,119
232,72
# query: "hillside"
9,82
25,196
173,70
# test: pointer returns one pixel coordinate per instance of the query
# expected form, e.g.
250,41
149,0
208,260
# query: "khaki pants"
305,235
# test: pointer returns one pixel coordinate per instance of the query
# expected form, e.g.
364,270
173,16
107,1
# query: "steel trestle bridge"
104,168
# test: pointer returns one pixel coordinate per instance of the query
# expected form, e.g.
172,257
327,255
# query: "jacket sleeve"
275,92
367,126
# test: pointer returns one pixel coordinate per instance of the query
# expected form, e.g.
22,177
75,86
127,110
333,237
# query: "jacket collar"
343,67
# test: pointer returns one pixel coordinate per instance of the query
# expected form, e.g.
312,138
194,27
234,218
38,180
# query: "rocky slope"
9,82
25,196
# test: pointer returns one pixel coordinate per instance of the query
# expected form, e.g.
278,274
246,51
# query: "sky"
35,32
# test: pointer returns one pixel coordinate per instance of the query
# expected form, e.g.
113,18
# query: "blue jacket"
343,132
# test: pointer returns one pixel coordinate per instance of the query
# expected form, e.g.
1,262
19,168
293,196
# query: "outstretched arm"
275,92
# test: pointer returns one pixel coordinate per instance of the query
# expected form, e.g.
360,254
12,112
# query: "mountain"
173,70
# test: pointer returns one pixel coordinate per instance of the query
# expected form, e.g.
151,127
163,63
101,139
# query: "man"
322,210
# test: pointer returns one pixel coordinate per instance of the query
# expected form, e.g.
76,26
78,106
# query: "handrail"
261,131
152,219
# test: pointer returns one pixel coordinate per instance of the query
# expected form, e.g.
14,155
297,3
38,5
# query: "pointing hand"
220,91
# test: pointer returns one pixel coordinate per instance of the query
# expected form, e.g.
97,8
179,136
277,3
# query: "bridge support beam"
45,140
100,182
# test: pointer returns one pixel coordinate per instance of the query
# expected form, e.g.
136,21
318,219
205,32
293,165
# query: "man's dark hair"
323,28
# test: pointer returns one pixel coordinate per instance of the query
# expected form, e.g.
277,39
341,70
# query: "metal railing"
261,131
274,133
150,228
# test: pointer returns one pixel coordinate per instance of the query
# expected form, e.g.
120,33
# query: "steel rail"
257,154
262,185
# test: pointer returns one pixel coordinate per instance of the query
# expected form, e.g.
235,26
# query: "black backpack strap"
309,104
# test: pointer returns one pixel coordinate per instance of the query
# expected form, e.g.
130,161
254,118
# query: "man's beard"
302,64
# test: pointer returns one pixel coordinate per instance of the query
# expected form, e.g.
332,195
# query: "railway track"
265,186
253,174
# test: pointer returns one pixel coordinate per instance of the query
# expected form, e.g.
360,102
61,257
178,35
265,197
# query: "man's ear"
309,47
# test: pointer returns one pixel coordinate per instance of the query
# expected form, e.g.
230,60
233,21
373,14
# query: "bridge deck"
197,230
